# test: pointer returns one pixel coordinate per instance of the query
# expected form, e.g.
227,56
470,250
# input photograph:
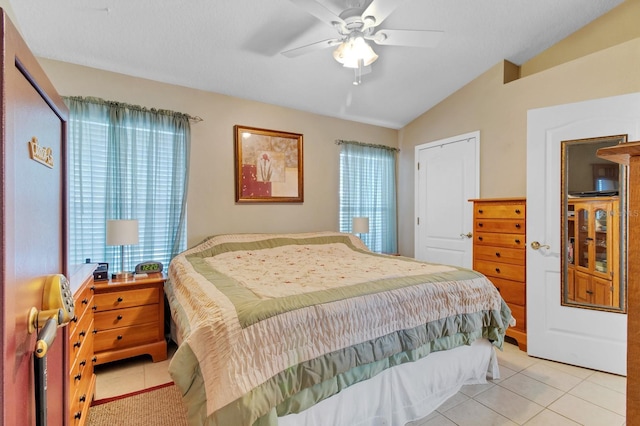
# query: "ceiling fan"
357,25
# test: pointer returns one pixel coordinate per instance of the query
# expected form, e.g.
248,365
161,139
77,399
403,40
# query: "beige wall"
211,198
499,112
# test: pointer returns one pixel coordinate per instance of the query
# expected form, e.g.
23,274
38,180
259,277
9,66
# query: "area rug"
158,406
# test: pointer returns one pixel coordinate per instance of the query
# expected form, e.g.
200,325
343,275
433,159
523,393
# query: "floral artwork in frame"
268,166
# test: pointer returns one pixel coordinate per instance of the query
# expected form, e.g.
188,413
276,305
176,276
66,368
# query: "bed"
314,329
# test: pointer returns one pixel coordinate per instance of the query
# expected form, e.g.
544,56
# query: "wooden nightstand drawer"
501,211
119,338
497,225
126,299
500,270
500,254
126,317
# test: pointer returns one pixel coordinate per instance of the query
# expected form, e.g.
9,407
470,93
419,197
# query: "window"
368,189
126,162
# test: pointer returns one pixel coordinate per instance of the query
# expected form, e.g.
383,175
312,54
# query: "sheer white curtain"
368,189
126,162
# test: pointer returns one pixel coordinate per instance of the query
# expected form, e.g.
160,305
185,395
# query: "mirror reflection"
593,195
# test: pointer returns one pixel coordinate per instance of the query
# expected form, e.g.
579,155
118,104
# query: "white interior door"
446,178
577,336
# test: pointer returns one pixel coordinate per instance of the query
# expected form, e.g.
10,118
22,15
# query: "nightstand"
129,318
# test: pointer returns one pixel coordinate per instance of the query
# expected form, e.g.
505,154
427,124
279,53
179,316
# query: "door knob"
536,245
468,235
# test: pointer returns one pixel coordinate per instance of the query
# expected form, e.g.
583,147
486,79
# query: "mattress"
272,324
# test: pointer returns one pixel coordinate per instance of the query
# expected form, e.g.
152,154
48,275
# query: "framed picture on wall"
268,166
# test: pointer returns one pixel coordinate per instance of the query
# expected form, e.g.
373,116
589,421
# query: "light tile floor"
531,392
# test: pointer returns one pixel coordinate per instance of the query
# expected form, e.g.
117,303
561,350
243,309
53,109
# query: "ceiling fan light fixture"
355,52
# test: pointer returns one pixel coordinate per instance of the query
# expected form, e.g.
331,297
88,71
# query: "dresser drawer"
124,337
83,300
126,317
498,225
500,270
515,256
78,333
502,240
82,368
126,299
513,292
519,313
503,211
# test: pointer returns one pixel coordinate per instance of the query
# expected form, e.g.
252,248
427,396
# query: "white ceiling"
233,47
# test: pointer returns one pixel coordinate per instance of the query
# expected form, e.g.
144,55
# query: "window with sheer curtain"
126,162
368,189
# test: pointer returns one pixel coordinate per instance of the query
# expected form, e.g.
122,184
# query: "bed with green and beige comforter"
272,324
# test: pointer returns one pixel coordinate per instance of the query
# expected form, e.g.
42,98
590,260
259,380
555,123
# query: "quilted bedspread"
270,324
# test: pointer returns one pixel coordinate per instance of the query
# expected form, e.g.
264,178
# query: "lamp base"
122,276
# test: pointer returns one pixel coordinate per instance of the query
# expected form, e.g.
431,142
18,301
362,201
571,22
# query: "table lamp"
360,225
122,232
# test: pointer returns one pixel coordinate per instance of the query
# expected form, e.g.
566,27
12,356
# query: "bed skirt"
405,392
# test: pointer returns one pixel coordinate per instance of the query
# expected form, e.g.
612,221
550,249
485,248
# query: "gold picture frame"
268,166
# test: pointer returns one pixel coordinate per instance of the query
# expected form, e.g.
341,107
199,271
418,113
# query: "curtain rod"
370,145
96,100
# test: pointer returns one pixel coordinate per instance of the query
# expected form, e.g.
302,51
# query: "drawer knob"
83,362
497,254
480,211
94,307
77,415
83,398
85,301
517,241
77,376
517,226
479,238
94,359
120,299
74,319
480,225
82,333
498,270
77,344
517,211
119,336
119,317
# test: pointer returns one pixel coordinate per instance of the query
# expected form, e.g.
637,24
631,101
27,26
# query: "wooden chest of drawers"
81,359
129,319
499,252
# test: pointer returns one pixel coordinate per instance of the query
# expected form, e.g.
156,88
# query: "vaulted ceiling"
234,47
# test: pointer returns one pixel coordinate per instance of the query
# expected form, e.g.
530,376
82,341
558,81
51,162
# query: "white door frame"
576,336
466,137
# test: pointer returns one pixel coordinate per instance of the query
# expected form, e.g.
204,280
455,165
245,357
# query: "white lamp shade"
360,225
122,232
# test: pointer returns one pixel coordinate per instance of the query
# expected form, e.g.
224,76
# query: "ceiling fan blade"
379,10
319,11
413,38
319,45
